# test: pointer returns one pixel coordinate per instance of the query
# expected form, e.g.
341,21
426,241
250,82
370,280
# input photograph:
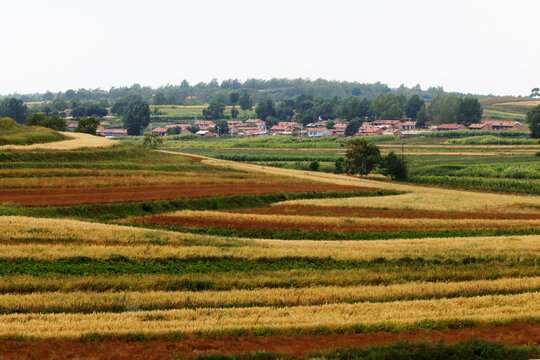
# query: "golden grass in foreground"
417,197
85,301
20,228
361,250
78,140
101,240
483,308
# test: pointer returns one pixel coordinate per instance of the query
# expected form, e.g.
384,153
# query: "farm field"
189,113
123,252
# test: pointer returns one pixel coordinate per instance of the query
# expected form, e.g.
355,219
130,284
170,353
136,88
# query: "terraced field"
126,253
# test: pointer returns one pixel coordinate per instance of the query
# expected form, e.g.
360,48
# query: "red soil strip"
370,212
517,333
338,226
63,197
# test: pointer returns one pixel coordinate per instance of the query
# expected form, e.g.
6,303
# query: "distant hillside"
12,133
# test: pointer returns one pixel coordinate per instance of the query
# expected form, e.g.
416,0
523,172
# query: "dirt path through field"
74,141
60,349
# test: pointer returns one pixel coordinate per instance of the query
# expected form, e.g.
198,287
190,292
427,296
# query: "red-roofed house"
182,126
504,125
281,130
112,133
387,123
369,131
162,131
255,122
340,125
205,124
337,132
451,127
408,125
318,132
479,126
291,124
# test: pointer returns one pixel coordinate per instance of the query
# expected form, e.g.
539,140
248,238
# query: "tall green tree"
444,109
160,99
60,104
246,102
395,166
265,109
13,108
285,110
234,97
469,112
36,119
136,117
387,106
214,111
87,125
353,126
352,107
533,118
422,118
361,156
119,106
413,106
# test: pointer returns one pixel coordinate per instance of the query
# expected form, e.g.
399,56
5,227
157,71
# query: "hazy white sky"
477,46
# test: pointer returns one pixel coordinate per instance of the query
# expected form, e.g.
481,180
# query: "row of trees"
85,125
305,109
18,111
450,109
277,89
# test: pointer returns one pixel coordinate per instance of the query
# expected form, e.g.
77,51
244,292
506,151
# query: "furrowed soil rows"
63,197
209,219
503,214
518,333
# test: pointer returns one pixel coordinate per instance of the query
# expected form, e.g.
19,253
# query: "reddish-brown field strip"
60,197
293,345
381,213
339,226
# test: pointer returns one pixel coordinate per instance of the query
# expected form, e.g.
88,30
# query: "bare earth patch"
59,349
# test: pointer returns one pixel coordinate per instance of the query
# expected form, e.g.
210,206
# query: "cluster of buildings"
257,127
320,128
486,125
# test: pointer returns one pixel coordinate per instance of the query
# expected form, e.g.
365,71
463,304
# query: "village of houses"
257,127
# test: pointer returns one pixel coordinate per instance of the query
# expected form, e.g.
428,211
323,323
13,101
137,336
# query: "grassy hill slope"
12,133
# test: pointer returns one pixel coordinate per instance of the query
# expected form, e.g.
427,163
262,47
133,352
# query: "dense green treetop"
136,116
469,111
214,111
13,108
87,125
387,106
533,118
361,156
413,106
